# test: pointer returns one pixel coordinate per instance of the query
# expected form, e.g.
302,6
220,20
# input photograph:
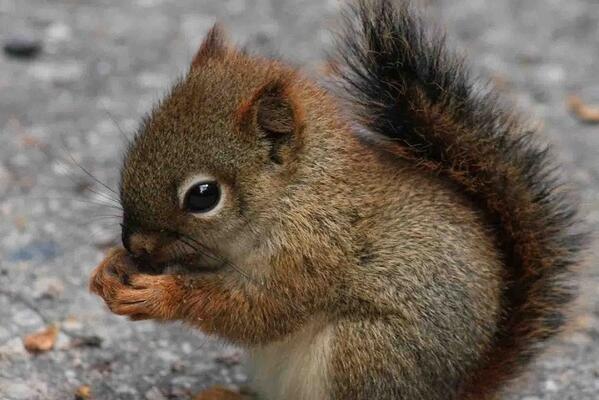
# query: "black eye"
202,197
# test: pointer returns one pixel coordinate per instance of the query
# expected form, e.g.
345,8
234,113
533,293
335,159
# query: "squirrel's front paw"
138,296
111,274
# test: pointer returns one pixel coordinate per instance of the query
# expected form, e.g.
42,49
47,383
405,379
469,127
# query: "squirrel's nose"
150,249
141,244
136,241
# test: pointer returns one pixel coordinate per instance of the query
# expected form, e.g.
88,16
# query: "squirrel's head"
214,159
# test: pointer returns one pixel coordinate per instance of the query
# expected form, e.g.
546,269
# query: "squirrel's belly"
295,368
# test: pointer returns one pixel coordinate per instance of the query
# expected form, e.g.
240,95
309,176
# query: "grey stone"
18,390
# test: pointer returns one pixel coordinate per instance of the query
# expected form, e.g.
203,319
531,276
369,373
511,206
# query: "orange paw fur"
138,296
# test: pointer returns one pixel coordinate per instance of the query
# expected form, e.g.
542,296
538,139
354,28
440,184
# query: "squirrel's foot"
220,393
138,296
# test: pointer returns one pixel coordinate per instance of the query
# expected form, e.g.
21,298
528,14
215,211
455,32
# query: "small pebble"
154,394
87,341
22,47
551,386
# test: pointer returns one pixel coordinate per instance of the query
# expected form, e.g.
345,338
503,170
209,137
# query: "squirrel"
401,234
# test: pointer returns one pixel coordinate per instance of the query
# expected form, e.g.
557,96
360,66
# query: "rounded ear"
273,115
274,110
215,45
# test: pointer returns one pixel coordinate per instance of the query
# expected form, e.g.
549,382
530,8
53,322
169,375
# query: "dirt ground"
104,63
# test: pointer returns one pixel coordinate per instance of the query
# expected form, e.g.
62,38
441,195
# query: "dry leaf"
584,112
83,392
43,341
31,141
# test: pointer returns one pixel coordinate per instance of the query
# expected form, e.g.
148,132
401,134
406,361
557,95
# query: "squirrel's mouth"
193,264
180,264
178,255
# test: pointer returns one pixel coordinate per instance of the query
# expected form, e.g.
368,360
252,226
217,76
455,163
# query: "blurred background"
75,77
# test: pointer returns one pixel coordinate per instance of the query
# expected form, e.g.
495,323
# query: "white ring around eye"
199,178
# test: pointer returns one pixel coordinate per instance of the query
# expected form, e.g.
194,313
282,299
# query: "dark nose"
138,241
145,249
144,244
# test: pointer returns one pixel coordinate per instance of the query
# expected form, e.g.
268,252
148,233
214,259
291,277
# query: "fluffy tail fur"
409,90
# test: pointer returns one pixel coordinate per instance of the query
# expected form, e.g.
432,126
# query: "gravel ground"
103,63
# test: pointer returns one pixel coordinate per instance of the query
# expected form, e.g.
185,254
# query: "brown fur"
391,254
420,99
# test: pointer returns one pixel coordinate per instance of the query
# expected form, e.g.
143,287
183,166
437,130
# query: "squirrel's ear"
214,46
274,115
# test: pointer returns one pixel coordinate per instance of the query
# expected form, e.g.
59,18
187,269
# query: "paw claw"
128,292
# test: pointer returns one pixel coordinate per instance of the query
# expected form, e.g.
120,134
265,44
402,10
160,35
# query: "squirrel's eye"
202,197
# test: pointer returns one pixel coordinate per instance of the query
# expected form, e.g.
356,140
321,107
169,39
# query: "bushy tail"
409,90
